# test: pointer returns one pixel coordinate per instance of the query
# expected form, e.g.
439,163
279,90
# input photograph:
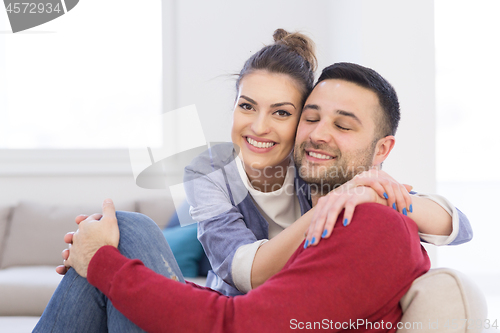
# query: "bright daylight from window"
104,77
468,136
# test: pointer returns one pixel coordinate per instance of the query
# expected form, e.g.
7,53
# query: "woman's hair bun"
299,43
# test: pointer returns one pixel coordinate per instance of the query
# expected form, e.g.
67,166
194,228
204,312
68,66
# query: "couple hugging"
296,216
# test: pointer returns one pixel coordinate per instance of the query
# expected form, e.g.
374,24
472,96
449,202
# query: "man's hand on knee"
92,234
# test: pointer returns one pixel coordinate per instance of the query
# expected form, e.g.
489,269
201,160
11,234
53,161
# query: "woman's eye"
283,113
246,106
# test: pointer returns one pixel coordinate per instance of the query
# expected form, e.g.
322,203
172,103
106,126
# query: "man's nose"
260,125
322,133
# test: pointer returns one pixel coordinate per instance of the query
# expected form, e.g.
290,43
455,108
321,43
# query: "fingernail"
404,212
313,240
306,243
345,222
324,233
411,208
386,196
394,206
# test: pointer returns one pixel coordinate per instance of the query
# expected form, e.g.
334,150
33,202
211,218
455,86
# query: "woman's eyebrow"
272,105
249,99
275,105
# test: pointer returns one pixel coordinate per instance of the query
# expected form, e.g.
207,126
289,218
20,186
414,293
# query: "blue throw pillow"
186,248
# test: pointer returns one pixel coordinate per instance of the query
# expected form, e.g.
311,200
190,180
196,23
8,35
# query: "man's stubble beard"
325,178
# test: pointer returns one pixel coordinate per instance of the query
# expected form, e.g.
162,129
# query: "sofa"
31,243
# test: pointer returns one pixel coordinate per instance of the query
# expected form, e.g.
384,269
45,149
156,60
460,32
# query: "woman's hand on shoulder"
369,186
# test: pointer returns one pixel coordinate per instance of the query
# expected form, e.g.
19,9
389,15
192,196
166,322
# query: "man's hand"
92,234
369,186
68,239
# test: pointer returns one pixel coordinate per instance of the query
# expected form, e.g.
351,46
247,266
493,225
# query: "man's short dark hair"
369,79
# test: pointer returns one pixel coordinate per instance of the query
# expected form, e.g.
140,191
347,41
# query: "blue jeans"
77,306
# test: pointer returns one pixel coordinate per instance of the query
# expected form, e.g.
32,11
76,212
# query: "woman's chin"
263,163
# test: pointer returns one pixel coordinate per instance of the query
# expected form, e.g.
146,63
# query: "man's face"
336,134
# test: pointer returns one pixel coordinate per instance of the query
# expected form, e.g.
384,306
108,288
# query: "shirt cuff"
450,208
241,268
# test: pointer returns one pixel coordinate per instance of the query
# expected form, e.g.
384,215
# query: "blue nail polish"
324,233
306,243
386,196
394,206
313,240
411,208
345,222
404,212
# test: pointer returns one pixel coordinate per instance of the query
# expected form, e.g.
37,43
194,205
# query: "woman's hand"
396,194
369,186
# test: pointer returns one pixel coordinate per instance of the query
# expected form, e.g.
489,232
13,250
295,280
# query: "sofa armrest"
444,300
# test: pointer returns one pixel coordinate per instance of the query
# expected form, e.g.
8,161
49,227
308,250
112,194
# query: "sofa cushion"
37,231
186,248
27,290
159,209
440,296
4,225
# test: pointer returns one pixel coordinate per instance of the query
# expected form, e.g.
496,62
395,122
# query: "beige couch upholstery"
444,300
31,243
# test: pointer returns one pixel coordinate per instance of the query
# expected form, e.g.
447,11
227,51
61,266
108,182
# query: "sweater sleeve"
323,285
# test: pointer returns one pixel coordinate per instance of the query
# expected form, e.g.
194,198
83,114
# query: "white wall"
396,38
208,40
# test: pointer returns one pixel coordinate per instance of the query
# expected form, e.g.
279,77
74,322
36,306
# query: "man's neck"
315,195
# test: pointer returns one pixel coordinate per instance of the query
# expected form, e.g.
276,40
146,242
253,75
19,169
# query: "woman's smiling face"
265,118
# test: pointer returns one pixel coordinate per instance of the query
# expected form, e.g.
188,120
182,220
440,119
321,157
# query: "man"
354,280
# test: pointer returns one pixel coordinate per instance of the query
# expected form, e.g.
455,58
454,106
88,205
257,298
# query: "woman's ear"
383,148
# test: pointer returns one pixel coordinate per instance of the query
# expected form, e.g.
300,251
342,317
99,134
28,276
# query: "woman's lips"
259,145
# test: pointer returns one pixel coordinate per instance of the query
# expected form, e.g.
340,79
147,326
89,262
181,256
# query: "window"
79,81
468,135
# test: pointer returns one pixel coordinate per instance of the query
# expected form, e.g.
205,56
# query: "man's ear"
383,148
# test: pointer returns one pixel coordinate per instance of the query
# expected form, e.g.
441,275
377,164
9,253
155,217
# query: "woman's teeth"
320,156
260,144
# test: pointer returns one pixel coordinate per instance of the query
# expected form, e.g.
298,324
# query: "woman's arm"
438,221
430,217
272,256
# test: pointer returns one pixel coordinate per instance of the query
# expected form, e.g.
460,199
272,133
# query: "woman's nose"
260,125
